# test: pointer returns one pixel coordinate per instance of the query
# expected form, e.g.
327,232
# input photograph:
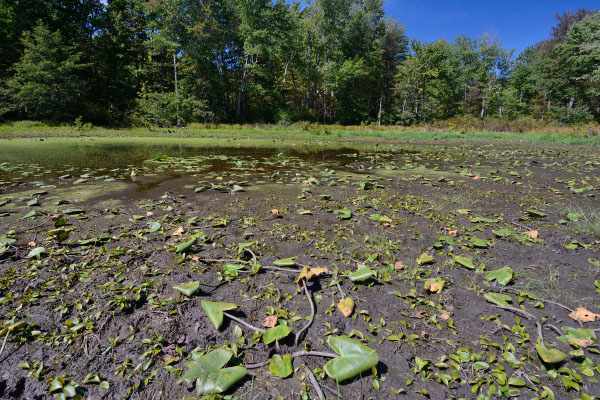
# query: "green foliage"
47,84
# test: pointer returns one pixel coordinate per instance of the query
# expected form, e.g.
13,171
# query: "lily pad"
210,376
498,299
362,274
281,367
37,252
550,356
355,358
183,247
189,289
424,259
214,311
276,333
503,276
285,262
464,261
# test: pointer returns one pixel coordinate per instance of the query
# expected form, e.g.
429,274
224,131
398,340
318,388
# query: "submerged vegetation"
224,268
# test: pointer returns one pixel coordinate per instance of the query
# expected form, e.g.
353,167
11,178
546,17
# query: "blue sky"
519,23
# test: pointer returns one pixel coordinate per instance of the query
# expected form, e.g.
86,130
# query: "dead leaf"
388,225
275,211
444,315
418,314
179,231
532,234
398,265
453,233
435,285
32,244
270,321
583,315
346,306
308,273
305,212
581,342
196,258
476,178
149,213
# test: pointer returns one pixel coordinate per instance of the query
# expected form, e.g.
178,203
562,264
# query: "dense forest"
173,62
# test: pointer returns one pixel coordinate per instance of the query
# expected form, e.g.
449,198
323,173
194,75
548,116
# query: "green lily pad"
73,211
536,213
276,333
361,274
577,336
285,262
355,358
37,252
498,299
424,259
464,261
210,376
154,226
214,311
550,356
503,276
189,289
281,367
183,247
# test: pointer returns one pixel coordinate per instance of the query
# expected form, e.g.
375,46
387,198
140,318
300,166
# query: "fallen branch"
312,316
315,384
241,321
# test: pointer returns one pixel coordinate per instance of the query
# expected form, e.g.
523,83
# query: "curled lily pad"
210,376
183,247
355,358
424,259
189,289
285,262
281,367
361,274
214,311
276,333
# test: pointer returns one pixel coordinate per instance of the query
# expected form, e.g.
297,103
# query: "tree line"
174,62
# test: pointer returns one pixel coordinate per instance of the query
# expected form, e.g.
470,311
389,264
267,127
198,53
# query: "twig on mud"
341,291
241,321
257,365
315,384
211,260
554,328
253,255
529,316
563,306
36,226
521,225
312,314
335,392
526,314
269,268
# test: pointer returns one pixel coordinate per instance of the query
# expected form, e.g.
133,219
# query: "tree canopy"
173,62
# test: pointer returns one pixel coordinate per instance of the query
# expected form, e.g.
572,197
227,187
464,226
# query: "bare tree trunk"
571,102
380,106
308,75
176,87
483,107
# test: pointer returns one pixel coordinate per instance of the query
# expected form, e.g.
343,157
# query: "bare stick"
315,384
521,225
222,260
341,291
269,268
312,315
527,315
257,365
313,354
253,255
241,321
